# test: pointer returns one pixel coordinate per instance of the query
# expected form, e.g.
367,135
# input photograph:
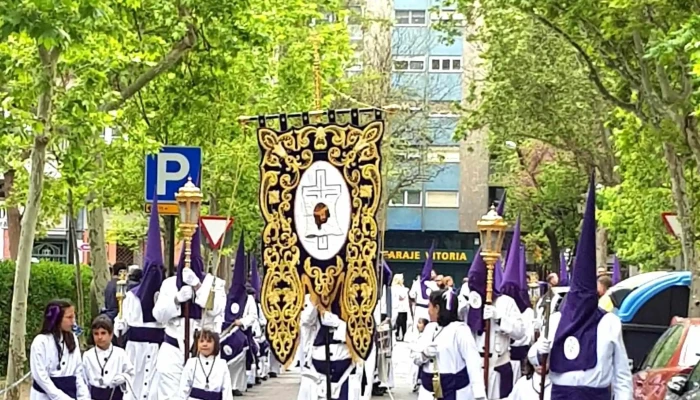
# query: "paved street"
287,384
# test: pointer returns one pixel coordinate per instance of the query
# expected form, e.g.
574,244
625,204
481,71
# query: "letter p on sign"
167,171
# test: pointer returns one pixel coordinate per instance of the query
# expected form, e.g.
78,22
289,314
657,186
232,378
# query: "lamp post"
189,200
492,229
121,290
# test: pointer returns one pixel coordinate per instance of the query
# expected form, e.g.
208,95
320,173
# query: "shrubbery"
49,280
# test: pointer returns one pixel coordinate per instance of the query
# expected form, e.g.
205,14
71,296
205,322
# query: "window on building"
407,198
446,15
443,155
442,199
446,64
495,195
409,64
413,198
410,17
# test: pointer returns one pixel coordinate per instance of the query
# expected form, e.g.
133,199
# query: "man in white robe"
188,285
345,377
421,289
237,319
587,356
144,334
512,286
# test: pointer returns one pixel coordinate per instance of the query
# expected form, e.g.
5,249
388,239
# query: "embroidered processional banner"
320,188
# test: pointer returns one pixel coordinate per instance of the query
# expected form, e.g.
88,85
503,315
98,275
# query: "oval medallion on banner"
322,210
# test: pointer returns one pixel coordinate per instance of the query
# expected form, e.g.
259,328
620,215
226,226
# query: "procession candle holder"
121,290
189,200
492,229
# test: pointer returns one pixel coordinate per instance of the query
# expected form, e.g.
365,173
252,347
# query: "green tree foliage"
49,281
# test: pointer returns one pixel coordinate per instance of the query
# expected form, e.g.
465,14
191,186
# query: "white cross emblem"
315,197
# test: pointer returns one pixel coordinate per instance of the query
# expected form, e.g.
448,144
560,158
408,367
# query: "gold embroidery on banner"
285,156
359,295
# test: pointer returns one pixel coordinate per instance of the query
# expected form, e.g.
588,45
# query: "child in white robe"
55,360
108,371
420,326
206,375
447,348
529,385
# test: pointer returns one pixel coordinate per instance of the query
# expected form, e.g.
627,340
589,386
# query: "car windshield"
690,354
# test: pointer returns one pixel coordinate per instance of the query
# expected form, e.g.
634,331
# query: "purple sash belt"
421,305
580,393
171,341
98,393
450,383
205,394
140,334
505,371
66,384
518,353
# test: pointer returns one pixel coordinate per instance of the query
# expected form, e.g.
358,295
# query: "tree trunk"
680,196
18,322
14,217
98,253
601,248
554,248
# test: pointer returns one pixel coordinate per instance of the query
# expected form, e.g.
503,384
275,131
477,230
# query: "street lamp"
189,199
121,290
492,229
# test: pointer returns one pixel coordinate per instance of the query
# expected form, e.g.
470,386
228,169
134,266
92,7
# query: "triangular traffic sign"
215,228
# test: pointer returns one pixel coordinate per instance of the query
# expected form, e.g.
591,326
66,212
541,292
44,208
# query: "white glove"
544,345
430,351
330,320
490,312
189,277
118,381
537,324
119,325
185,294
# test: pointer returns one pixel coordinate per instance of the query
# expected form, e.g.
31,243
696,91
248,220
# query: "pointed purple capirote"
501,209
617,273
255,281
153,267
237,297
196,265
580,313
387,274
524,288
512,277
427,272
563,273
476,280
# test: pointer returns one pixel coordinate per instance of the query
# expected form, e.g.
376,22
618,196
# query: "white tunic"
528,317
44,364
529,388
399,299
422,302
456,352
509,326
612,367
143,355
205,373
167,311
101,367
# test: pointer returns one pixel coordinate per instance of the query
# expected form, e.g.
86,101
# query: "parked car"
646,311
685,387
675,353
